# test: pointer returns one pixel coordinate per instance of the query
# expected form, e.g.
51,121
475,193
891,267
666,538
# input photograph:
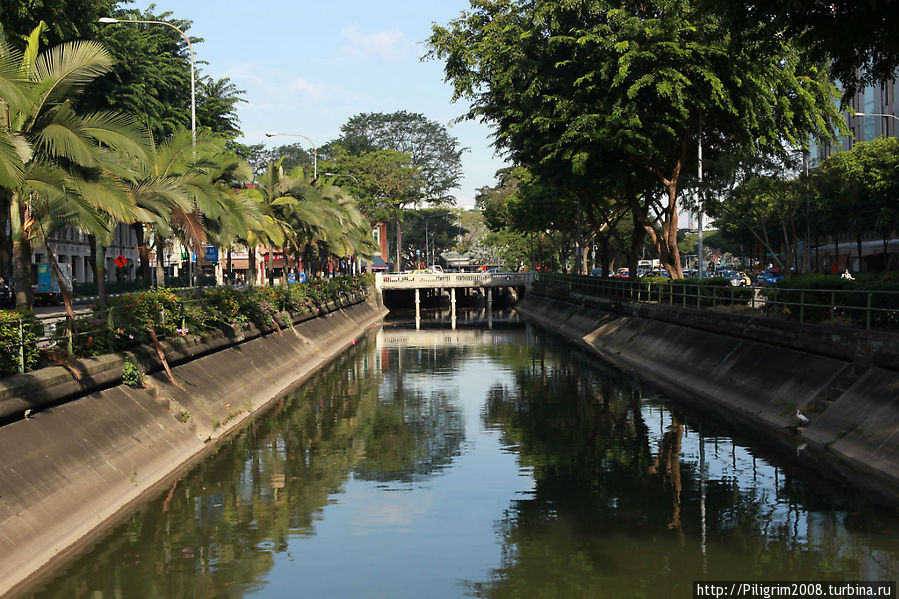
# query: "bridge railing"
860,307
461,279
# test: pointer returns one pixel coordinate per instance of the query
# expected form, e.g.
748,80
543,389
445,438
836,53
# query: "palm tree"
55,163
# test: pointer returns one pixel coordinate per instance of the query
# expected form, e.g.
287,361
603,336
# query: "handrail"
864,307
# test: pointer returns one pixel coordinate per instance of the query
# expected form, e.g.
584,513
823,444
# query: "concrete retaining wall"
71,469
756,373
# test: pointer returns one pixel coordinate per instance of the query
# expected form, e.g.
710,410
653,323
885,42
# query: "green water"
494,463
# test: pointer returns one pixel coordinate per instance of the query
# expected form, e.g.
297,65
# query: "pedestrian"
847,275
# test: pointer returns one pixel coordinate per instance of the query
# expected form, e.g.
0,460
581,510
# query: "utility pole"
699,252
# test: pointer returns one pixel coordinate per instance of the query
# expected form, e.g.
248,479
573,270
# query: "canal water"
489,462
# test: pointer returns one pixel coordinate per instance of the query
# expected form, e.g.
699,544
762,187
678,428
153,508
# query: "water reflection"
499,463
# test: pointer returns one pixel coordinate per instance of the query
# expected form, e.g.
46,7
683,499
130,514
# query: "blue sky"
307,67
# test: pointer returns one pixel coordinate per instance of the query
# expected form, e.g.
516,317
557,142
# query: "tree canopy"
626,87
434,153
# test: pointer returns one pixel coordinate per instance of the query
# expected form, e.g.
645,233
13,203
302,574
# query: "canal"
481,462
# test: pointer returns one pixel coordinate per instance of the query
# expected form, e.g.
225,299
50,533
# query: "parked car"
596,272
769,277
623,273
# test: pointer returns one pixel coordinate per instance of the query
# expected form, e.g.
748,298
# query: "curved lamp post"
341,175
892,116
193,93
314,149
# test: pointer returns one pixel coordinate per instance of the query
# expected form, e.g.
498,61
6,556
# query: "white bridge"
437,282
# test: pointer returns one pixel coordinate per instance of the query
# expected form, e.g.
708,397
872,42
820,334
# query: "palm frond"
68,67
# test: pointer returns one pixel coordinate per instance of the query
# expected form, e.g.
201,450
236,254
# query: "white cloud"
389,45
314,91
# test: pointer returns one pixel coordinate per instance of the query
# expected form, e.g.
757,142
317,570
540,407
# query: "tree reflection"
615,513
215,532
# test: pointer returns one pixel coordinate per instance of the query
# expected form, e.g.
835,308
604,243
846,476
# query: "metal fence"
860,307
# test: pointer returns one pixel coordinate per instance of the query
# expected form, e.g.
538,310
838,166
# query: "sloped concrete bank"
755,373
69,470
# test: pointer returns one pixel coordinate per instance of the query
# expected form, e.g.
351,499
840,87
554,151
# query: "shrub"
170,315
32,330
131,374
820,292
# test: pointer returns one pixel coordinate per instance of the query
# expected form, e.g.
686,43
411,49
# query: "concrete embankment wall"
755,373
71,468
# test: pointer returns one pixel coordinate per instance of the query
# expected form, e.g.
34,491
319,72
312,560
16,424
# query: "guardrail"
860,307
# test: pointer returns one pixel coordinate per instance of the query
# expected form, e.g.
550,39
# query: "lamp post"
341,175
314,149
193,92
892,116
881,114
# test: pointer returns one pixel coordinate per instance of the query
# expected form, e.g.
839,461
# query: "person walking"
847,275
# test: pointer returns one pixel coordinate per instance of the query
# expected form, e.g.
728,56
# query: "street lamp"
342,175
314,149
193,94
892,116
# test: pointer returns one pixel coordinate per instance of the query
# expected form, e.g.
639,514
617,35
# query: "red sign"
121,261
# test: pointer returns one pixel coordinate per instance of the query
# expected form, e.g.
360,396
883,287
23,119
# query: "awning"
376,264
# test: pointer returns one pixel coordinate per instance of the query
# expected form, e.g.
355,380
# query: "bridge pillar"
417,303
490,308
453,306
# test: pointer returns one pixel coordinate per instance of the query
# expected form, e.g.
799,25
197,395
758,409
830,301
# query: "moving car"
739,279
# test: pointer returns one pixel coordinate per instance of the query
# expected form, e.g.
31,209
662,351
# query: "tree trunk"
399,246
229,269
251,266
63,288
605,252
6,271
21,250
160,260
836,251
143,253
858,244
100,270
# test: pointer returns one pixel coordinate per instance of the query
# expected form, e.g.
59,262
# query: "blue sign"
302,277
212,253
291,277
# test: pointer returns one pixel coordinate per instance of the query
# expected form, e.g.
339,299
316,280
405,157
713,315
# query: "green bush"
170,315
131,374
32,330
822,292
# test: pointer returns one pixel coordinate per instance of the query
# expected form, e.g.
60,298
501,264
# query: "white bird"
28,414
801,418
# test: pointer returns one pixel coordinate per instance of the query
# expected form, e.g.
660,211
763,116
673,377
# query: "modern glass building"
880,99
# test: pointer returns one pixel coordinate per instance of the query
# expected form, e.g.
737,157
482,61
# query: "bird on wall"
28,414
801,419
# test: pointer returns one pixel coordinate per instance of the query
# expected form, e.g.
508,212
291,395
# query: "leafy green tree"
428,233
859,37
67,20
768,207
384,182
622,82
435,153
856,191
